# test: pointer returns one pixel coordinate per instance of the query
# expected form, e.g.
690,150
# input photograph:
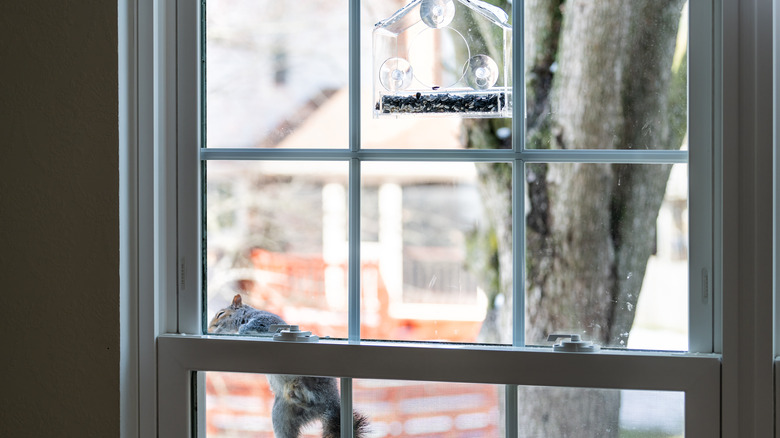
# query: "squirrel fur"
298,400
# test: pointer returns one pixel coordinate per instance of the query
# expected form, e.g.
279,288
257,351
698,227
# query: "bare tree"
599,74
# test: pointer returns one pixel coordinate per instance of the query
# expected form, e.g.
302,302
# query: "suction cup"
395,74
437,13
481,72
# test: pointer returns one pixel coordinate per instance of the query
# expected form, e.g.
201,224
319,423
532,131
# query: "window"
360,177
289,176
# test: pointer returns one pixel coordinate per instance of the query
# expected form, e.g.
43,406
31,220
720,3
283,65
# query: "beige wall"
59,246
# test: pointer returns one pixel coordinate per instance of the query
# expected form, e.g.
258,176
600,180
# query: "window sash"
180,356
178,30
702,282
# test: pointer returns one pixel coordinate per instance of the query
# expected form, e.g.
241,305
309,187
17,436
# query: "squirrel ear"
236,301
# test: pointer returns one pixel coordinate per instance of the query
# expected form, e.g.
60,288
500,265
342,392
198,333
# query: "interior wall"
59,197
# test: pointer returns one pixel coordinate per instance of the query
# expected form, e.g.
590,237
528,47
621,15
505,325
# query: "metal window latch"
291,333
574,344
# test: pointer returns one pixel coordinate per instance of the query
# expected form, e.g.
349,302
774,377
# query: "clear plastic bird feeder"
443,58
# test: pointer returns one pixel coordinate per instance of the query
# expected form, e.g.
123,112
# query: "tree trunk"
599,75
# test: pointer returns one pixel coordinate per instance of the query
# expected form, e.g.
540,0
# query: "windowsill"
452,345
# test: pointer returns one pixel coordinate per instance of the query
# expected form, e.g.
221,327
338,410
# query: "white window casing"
163,347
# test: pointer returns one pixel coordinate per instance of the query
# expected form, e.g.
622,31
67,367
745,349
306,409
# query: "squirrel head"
228,320
242,319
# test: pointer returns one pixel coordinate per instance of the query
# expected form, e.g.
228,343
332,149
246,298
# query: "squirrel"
298,400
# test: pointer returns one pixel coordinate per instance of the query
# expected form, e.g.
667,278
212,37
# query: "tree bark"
599,75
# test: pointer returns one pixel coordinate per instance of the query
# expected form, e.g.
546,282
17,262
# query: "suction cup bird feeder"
443,58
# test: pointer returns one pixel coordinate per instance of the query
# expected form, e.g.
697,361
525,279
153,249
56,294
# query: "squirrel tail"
332,426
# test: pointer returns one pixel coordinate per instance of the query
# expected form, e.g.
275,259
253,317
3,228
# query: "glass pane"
599,413
242,405
433,55
607,254
427,258
276,234
430,409
601,74
276,73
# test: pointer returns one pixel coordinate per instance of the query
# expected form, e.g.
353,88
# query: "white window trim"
157,362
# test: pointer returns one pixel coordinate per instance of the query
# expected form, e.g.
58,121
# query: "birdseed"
443,103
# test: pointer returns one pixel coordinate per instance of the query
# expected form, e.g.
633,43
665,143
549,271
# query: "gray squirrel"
298,400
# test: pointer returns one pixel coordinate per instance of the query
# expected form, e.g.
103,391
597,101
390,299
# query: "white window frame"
162,345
